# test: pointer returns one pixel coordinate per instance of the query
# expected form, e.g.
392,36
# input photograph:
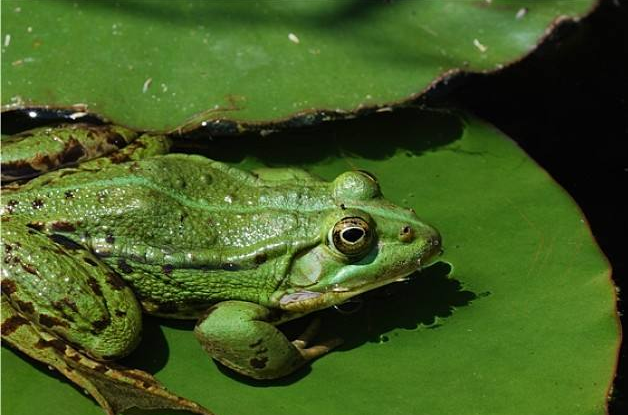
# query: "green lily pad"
518,317
161,65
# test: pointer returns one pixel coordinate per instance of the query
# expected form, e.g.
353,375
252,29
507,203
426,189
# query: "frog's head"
366,242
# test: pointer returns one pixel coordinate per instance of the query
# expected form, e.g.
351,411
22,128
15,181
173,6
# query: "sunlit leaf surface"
162,64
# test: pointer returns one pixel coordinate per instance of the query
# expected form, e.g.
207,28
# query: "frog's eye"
351,236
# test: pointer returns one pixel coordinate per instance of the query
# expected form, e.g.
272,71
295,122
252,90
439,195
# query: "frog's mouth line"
307,301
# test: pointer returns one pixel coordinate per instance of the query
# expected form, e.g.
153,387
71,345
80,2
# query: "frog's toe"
308,353
308,334
313,352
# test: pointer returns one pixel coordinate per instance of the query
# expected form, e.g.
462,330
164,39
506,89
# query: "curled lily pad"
162,65
518,317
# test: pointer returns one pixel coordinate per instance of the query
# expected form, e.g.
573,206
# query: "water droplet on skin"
338,289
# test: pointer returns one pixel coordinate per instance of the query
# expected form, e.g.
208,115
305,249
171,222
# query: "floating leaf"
518,318
158,65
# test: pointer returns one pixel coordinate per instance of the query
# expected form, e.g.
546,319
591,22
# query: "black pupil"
352,235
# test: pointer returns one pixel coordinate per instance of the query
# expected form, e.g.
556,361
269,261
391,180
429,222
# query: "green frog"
101,224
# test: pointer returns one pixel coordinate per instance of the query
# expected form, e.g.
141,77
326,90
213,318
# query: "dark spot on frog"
11,204
101,324
8,286
38,226
342,206
117,140
119,157
93,284
12,323
120,313
63,226
258,362
72,153
137,258
261,350
51,321
124,267
69,194
25,306
110,239
115,281
260,259
90,261
38,204
101,368
257,343
29,268
167,269
8,258
19,169
55,344
101,196
59,305
65,242
50,163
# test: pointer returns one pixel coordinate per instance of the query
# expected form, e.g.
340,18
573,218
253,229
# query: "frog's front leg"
242,336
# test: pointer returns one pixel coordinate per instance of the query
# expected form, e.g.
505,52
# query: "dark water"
567,106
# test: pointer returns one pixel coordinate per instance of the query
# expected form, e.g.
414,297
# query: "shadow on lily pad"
378,136
424,300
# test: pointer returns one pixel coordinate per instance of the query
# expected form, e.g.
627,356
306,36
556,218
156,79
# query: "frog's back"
185,174
175,200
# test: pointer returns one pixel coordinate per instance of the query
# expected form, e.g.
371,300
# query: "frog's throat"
304,301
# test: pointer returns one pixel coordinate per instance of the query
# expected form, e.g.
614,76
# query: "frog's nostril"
435,242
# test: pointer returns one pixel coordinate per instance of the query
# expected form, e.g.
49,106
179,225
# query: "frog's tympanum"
100,224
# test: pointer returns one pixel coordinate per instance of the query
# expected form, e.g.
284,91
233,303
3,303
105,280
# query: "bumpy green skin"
190,237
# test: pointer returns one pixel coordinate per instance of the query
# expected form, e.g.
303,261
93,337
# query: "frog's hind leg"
243,337
144,146
44,149
62,306
113,387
